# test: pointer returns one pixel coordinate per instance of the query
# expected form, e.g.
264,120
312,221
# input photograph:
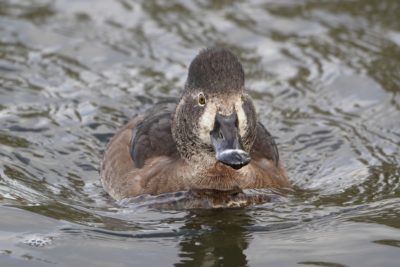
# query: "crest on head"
215,70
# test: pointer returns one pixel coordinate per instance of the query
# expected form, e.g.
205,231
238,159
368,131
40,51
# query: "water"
325,76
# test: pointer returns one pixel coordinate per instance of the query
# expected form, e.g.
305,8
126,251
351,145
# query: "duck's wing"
153,137
264,146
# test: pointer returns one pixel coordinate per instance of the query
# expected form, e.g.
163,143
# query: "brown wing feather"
153,138
264,146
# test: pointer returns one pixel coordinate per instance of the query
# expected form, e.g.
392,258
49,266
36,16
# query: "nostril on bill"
220,135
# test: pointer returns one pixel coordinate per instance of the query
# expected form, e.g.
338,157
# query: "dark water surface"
325,76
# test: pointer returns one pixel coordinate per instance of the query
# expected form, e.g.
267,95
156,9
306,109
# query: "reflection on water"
220,241
325,77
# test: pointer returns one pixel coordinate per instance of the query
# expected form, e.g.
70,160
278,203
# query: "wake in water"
203,199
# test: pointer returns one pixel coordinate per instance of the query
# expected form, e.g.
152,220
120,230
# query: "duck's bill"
225,140
235,158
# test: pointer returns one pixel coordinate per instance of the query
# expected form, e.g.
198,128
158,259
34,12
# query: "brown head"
215,119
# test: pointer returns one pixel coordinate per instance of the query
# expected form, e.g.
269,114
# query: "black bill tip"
235,158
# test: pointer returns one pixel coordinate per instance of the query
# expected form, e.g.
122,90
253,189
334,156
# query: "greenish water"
325,76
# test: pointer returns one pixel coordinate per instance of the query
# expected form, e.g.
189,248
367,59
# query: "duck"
208,140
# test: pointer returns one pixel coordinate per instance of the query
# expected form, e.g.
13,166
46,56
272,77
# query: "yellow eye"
202,100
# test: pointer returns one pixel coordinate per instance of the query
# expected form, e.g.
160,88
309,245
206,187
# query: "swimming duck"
208,140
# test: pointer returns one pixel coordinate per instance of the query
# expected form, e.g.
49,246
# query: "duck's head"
215,120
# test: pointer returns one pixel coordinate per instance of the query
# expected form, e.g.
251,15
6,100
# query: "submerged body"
208,140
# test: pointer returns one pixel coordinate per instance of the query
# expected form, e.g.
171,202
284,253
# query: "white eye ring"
202,99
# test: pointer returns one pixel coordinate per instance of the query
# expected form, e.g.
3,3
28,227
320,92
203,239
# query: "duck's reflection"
215,238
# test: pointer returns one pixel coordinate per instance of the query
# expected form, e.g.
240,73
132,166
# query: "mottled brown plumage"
186,145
